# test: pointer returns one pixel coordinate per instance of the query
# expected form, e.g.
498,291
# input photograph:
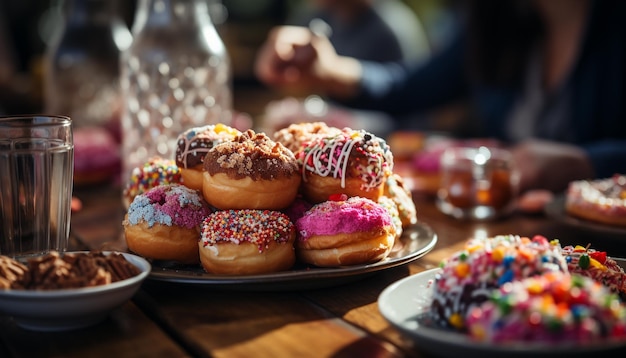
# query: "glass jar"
82,64
175,76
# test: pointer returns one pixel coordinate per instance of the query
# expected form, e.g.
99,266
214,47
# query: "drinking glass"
478,183
36,163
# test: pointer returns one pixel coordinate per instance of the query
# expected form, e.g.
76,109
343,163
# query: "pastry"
192,146
469,275
355,163
246,242
250,172
601,200
164,223
344,231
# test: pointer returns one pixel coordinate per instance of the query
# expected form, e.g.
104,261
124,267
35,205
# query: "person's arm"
398,89
550,165
295,59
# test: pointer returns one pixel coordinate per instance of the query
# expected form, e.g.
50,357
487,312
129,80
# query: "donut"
355,163
156,171
601,200
344,231
392,209
164,223
247,242
296,135
96,156
297,208
596,265
192,146
401,196
469,275
554,307
250,172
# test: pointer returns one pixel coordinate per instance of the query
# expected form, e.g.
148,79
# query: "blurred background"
28,27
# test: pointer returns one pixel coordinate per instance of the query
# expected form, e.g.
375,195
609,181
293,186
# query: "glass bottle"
82,64
175,76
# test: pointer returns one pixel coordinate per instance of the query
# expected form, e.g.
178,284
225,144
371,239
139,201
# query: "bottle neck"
171,14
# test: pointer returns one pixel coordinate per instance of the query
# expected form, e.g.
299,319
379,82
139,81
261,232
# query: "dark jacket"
597,83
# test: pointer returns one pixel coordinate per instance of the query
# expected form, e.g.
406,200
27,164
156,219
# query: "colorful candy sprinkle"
259,227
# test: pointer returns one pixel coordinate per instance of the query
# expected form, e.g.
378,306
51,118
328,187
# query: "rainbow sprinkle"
154,172
468,276
259,227
552,307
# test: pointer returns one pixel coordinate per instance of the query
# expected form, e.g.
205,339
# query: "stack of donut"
314,194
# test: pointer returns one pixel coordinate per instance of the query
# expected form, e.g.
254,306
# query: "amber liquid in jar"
477,183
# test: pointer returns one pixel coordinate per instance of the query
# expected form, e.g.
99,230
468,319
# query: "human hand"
295,59
550,165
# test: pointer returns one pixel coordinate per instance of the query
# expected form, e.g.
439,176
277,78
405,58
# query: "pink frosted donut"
164,223
246,241
192,146
96,156
555,307
344,231
156,171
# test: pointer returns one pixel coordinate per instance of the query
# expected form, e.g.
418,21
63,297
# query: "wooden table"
179,320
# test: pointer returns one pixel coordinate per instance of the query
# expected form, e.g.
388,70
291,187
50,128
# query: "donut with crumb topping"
192,146
250,172
164,223
353,162
246,242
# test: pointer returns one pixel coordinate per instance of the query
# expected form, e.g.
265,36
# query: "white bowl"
65,309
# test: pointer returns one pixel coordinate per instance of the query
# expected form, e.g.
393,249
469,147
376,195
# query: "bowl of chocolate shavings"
58,292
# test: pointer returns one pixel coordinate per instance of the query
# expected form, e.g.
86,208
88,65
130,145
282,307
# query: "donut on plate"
250,172
554,307
296,135
246,242
353,162
156,171
597,265
344,231
192,146
469,275
601,200
297,208
164,223
402,197
392,209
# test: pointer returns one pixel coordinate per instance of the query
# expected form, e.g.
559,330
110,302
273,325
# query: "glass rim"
477,149
35,120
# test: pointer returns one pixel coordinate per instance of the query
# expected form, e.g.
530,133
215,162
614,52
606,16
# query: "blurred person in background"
546,77
381,31
370,30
